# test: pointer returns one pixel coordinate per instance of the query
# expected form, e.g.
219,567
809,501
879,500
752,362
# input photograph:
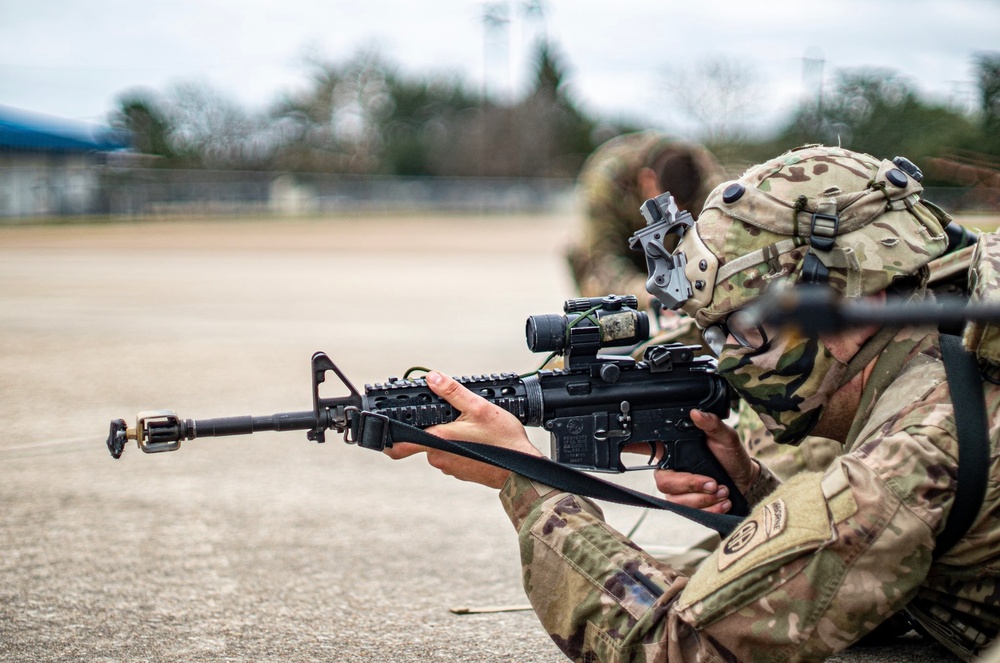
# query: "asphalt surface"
269,547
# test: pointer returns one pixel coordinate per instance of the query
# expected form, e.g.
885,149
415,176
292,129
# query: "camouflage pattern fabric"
813,454
984,284
787,383
819,563
948,275
766,219
610,197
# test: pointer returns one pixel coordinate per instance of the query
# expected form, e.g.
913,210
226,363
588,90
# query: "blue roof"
21,130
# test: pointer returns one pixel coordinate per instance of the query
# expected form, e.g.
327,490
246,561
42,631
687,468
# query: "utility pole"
812,82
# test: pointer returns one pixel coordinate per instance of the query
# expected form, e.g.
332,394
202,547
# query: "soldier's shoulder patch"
769,522
794,523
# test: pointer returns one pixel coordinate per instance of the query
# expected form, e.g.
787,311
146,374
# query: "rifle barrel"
223,426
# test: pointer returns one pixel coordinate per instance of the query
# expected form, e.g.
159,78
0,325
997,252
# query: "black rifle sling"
966,386
382,429
963,380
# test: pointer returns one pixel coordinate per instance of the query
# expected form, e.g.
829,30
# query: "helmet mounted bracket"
823,231
664,223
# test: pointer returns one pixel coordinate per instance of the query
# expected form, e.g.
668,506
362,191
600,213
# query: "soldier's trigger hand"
694,490
703,492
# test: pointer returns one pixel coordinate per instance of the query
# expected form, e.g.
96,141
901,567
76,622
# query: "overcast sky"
72,58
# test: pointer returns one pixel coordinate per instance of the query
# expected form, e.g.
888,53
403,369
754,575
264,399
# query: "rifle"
594,407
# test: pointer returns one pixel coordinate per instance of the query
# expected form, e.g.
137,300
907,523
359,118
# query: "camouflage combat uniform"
825,557
602,263
795,581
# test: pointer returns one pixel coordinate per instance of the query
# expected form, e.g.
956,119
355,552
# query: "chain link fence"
106,190
71,189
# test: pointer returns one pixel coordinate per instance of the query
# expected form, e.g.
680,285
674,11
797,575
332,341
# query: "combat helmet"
814,214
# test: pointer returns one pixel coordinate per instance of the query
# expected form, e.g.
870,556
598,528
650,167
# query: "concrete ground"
270,547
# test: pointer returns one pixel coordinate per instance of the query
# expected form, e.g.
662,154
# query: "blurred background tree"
719,96
987,66
365,116
879,112
139,112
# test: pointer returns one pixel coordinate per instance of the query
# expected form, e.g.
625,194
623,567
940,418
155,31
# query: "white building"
50,166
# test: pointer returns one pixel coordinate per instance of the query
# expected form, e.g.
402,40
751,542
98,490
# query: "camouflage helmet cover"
861,217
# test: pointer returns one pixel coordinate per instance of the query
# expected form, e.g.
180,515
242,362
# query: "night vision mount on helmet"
665,225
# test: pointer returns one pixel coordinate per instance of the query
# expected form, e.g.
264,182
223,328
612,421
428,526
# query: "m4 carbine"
594,407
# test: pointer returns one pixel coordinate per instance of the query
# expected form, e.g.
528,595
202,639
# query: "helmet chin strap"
871,349
874,346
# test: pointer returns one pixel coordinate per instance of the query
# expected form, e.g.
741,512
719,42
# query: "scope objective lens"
546,333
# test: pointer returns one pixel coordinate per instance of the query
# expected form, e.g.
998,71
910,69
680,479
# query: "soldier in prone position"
827,556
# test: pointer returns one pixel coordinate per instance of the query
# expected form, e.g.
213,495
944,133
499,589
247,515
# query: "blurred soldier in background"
613,183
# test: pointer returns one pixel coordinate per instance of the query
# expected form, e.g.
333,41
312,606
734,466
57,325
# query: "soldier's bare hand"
480,421
703,492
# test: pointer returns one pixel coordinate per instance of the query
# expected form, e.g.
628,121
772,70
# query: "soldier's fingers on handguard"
480,421
450,464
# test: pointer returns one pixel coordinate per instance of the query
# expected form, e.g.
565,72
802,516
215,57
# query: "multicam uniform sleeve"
813,454
818,564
